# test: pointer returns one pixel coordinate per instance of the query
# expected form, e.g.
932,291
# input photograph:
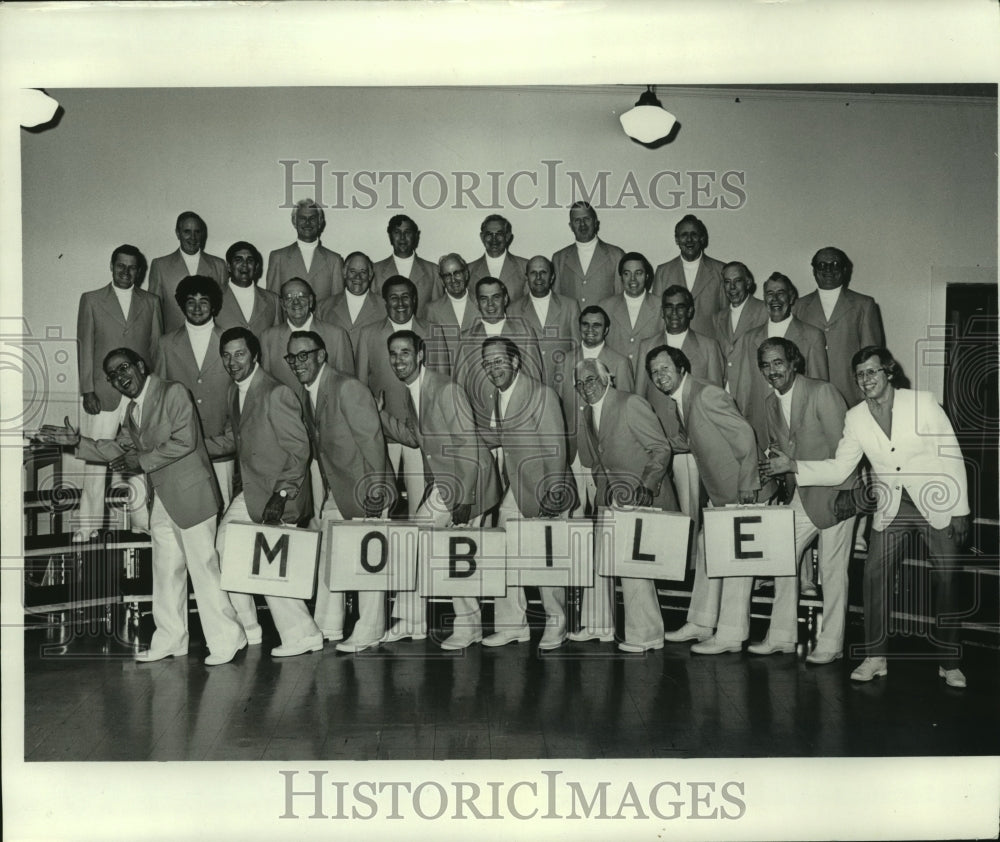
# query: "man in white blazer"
307,257
404,236
634,313
922,488
743,313
119,314
455,311
358,305
694,270
496,235
587,269
190,259
244,303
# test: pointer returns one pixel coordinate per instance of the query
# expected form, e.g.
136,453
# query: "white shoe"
401,632
151,655
458,641
870,668
953,678
255,635
765,647
586,634
505,636
310,643
213,659
818,657
714,646
689,631
640,647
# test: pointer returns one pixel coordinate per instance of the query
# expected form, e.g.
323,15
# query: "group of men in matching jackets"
632,385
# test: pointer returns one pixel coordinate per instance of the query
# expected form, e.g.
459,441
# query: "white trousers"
178,552
331,607
509,611
413,473
291,617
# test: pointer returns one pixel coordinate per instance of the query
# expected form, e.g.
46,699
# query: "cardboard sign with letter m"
270,560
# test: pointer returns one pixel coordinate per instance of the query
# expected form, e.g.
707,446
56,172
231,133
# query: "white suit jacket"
922,457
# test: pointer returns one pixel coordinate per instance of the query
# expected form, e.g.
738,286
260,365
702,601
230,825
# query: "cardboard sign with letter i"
370,555
552,552
641,543
270,560
750,541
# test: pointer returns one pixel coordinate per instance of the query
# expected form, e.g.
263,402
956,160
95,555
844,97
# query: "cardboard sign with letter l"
750,541
271,560
553,552
462,562
370,555
641,543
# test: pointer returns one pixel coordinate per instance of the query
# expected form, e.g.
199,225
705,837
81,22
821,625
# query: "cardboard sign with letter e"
372,555
750,541
550,551
641,543
462,562
270,560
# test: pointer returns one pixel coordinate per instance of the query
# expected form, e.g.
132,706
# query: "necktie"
237,473
132,408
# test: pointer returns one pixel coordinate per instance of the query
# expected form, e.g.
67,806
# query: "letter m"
260,544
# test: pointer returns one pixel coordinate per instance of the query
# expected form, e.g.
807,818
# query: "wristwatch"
283,493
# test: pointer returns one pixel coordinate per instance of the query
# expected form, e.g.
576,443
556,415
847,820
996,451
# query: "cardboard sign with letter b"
750,541
270,560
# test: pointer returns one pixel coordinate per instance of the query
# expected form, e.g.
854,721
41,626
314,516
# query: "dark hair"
495,217
777,276
702,230
489,280
410,336
199,285
677,289
250,247
189,214
678,357
646,265
140,260
842,257
582,205
399,219
509,347
594,308
311,335
240,332
885,359
787,347
399,280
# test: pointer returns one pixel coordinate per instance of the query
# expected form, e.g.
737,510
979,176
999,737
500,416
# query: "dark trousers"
885,550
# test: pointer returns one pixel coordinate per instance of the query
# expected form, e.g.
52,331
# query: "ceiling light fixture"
648,123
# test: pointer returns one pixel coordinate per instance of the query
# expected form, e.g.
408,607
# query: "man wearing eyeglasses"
358,305
244,303
848,319
496,235
118,314
307,257
455,311
161,436
347,443
298,304
916,460
624,446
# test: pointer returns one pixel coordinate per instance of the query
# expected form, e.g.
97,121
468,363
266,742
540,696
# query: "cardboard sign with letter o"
750,541
462,562
641,543
364,555
270,560
552,552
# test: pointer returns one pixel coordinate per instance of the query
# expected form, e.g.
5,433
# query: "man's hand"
54,434
746,495
777,464
380,403
959,530
642,496
461,513
127,462
843,505
91,403
274,509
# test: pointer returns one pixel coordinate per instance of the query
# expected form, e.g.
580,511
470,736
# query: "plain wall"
907,186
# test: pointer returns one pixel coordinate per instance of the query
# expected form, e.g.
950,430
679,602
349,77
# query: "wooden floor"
86,699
